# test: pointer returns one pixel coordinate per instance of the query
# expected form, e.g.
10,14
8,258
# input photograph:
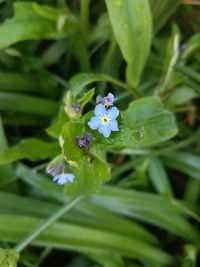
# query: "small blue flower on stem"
109,99
104,120
63,178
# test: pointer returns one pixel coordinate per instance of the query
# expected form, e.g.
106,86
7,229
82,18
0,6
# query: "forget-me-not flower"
109,99
63,178
104,120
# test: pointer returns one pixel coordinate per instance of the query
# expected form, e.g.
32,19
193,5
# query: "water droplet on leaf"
138,134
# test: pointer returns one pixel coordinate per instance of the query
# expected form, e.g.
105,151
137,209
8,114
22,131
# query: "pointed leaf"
132,26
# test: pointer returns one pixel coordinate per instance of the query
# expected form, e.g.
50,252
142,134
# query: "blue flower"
109,99
62,178
104,120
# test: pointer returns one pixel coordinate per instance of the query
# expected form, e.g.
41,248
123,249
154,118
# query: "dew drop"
138,134
120,142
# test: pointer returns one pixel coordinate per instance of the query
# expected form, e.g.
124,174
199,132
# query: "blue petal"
62,180
113,113
105,130
94,123
70,177
100,110
113,124
57,177
111,96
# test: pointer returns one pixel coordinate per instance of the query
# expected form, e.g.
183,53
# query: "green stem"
41,227
106,64
131,90
3,141
84,19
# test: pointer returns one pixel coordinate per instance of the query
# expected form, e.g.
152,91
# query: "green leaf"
184,161
171,57
180,96
149,208
86,213
79,238
32,149
86,98
161,11
107,259
27,104
159,177
132,26
41,83
79,81
73,154
8,257
103,31
144,123
192,45
88,177
32,21
55,129
190,258
90,169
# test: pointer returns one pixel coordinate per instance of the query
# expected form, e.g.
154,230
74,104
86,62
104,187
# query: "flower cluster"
57,169
107,100
105,117
84,142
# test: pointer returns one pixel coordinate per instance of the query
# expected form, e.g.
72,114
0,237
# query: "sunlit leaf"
132,26
32,21
8,257
32,149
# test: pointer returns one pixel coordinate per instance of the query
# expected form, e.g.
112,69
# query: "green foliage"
132,198
181,96
80,81
90,168
159,177
161,11
171,57
32,149
145,122
8,257
131,22
32,21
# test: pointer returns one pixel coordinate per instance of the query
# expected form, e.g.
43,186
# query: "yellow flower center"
105,120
